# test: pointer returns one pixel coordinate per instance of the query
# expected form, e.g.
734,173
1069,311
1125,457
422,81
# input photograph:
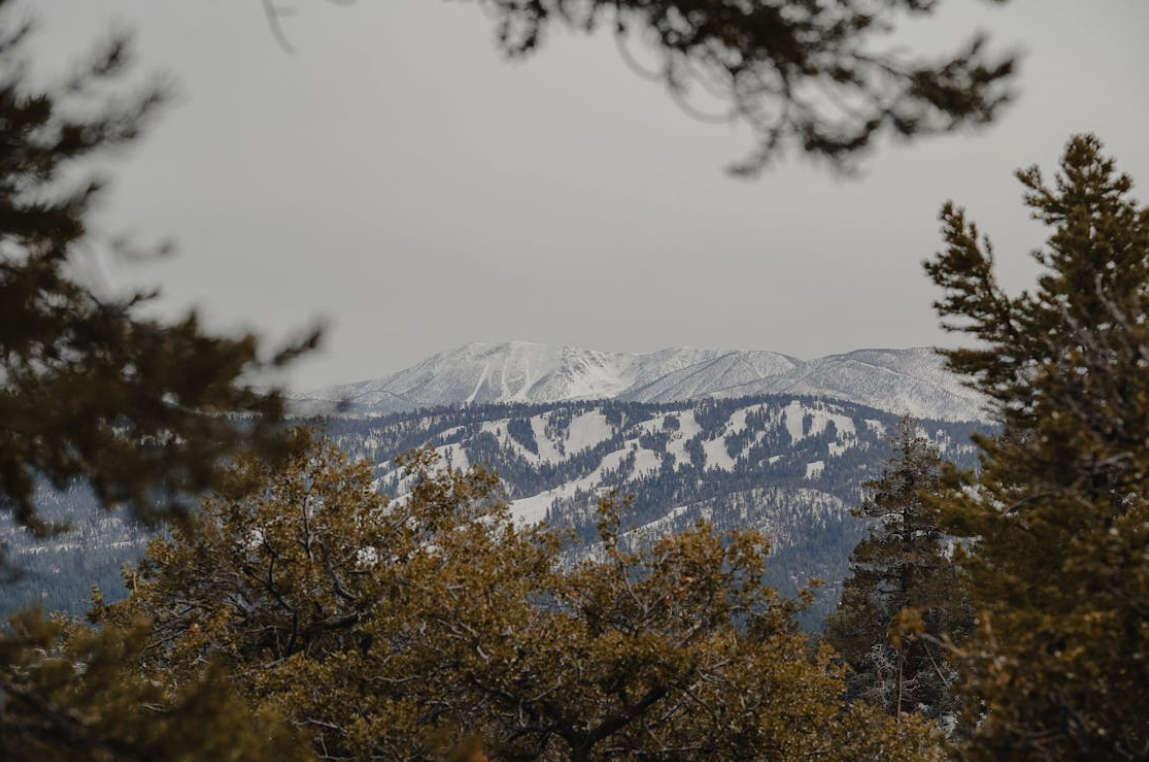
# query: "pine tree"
1058,667
90,388
902,565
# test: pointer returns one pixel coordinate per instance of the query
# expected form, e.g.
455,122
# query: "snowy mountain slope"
550,458
515,371
787,464
909,381
791,466
901,381
479,373
702,379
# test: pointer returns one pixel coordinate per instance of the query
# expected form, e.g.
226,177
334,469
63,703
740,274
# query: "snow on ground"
646,462
717,456
649,426
595,376
843,423
533,509
837,448
587,430
688,428
611,461
548,453
737,421
793,413
454,456
814,470
661,525
447,433
482,380
499,430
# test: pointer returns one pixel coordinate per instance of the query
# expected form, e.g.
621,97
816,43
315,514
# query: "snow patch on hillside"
587,430
717,456
794,423
688,429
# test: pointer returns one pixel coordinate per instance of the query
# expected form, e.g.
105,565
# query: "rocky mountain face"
904,381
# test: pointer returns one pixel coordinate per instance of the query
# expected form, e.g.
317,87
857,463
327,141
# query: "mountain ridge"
909,381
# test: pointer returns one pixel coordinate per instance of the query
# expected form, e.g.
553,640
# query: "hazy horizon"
398,180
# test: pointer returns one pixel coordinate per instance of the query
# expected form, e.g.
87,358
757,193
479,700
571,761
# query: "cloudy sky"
398,180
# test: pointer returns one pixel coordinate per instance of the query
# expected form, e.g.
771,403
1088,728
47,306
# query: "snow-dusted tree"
901,566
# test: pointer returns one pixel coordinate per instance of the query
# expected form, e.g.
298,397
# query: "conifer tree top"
91,389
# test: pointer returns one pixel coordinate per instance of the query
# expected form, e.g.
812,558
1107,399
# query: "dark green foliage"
712,415
697,454
806,76
90,389
902,564
1059,665
520,430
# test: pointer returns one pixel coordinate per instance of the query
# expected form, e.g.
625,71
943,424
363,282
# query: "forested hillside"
791,467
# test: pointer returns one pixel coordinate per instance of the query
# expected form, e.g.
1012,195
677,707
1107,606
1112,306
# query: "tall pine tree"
901,565
1058,667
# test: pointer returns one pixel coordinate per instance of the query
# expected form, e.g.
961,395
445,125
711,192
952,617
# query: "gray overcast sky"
397,178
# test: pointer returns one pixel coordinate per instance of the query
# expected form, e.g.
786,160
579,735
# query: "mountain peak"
903,381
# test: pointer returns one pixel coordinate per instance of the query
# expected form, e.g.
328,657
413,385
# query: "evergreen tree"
72,694
901,565
391,631
90,388
1058,667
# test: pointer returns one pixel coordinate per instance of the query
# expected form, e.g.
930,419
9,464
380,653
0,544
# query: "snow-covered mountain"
913,381
902,381
789,465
